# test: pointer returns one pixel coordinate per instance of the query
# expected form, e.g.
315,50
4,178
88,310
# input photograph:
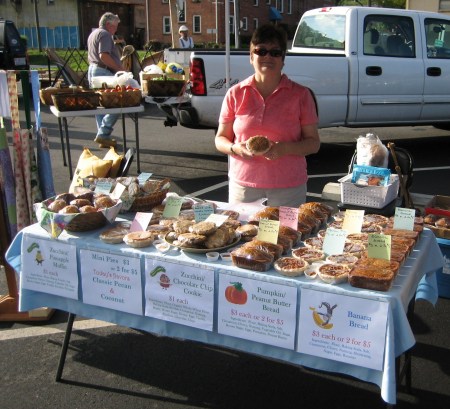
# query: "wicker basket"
87,221
76,101
46,94
119,99
147,202
155,85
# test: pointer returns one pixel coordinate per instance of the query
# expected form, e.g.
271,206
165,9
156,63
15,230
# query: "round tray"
203,251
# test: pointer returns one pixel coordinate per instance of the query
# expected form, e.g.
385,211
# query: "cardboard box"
443,275
368,196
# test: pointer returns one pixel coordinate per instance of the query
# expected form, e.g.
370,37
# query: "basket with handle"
119,97
45,94
76,101
146,202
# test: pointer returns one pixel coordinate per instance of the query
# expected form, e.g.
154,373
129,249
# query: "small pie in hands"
258,144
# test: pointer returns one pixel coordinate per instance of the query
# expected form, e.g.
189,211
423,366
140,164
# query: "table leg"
65,345
61,135
69,158
136,134
124,133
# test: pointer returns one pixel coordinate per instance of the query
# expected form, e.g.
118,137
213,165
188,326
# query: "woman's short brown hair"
269,33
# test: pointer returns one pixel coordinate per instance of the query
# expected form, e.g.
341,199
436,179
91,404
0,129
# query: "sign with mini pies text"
111,281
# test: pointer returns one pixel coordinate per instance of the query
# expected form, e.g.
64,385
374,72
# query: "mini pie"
139,239
333,273
314,242
345,259
114,235
258,144
291,266
308,254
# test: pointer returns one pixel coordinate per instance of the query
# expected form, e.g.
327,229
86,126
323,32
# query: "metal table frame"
133,113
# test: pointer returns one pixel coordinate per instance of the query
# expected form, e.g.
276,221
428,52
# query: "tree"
396,4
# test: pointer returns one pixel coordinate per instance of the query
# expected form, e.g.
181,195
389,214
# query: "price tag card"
173,206
218,219
118,191
289,216
353,221
103,186
268,230
404,218
202,211
143,177
141,221
379,246
334,241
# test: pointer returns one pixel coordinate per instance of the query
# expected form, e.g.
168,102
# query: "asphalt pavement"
110,366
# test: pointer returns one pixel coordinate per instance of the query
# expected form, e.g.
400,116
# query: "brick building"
68,23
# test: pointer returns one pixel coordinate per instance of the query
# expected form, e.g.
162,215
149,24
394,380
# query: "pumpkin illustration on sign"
236,294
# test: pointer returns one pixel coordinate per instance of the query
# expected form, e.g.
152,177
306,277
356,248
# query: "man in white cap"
185,41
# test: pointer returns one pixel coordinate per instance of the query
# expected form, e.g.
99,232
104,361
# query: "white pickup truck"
366,67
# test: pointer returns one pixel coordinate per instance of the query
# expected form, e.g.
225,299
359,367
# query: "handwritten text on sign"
111,281
179,293
49,267
257,310
343,328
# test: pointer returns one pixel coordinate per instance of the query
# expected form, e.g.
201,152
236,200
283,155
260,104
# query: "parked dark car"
13,51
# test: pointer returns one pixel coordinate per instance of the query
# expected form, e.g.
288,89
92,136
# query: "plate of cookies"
202,237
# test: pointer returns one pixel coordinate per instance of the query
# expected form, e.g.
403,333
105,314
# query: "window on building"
244,24
231,24
255,24
279,4
268,2
289,7
438,40
444,5
256,3
166,24
182,12
164,1
197,24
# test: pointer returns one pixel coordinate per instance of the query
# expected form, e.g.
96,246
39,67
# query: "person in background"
185,41
268,103
104,60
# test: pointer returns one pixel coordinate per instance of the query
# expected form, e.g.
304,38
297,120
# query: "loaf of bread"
252,258
373,274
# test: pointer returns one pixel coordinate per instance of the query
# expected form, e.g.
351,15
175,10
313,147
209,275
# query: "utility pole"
38,31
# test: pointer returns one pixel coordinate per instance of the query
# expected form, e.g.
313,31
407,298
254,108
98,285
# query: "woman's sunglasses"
262,52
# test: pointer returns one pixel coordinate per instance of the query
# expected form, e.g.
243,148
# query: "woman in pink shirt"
268,103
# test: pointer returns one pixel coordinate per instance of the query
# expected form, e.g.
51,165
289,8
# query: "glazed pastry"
88,209
252,258
69,209
275,249
57,205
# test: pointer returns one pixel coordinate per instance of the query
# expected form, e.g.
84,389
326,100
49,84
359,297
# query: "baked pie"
290,266
333,273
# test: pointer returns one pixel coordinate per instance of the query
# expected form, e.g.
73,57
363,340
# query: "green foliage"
396,4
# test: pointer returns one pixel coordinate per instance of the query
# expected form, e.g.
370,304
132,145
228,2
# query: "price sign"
379,246
334,241
289,216
268,230
353,221
202,211
173,206
143,177
141,221
218,219
404,218
103,186
118,191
